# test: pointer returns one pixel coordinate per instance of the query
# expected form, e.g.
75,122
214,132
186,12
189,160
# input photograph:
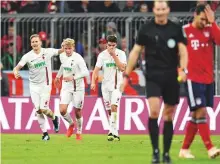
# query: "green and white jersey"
76,66
39,65
112,76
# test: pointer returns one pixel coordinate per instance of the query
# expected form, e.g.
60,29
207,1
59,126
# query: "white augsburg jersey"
39,65
73,65
112,76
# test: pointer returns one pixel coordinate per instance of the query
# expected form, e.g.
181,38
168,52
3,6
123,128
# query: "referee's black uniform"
161,54
162,60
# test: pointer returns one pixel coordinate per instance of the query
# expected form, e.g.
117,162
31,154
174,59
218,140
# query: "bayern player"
113,63
40,77
201,34
73,69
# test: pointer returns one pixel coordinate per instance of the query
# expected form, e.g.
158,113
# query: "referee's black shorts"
164,86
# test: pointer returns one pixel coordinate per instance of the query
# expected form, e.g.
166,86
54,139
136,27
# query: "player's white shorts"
111,97
40,95
77,98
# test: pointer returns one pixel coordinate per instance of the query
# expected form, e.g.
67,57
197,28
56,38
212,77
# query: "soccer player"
113,62
165,45
40,77
201,34
73,69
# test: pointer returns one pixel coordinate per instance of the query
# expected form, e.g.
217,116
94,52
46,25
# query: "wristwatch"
185,70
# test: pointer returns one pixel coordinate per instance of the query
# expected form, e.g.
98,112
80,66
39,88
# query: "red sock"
191,131
204,132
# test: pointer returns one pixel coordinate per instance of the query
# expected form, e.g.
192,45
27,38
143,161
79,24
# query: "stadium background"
54,21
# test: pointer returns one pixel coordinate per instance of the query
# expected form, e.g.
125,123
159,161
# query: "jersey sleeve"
215,31
83,69
140,40
181,36
52,51
99,62
23,61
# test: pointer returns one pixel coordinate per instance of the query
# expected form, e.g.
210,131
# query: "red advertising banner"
18,116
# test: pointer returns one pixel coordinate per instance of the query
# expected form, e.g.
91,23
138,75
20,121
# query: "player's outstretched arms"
16,71
94,77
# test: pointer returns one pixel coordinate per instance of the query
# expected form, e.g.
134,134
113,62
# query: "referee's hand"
181,76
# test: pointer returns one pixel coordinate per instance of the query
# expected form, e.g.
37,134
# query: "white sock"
109,122
42,122
113,123
79,125
68,118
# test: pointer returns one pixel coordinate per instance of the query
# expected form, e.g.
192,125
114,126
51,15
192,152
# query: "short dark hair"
200,8
112,38
167,2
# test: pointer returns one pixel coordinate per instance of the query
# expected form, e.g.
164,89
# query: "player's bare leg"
54,118
67,117
167,131
204,132
79,121
41,120
154,103
191,130
113,124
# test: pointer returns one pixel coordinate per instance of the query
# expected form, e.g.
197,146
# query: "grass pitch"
93,149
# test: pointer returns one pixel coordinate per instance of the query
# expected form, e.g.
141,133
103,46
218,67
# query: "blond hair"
34,36
69,42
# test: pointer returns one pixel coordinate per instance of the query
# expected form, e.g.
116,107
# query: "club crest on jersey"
171,43
206,34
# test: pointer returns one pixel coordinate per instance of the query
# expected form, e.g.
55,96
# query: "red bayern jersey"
201,51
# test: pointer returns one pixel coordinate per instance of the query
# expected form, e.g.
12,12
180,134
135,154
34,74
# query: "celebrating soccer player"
74,70
201,34
40,77
113,62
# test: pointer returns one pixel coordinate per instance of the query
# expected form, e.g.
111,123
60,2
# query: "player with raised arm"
40,77
73,68
201,35
113,63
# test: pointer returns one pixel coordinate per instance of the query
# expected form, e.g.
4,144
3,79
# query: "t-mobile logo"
195,44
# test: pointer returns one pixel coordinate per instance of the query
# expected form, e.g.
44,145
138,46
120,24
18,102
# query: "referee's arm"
183,53
133,57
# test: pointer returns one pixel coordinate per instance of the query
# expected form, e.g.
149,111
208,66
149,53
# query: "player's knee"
78,112
114,108
39,111
154,113
168,112
63,110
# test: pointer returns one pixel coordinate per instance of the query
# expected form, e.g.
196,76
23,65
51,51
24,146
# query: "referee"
165,47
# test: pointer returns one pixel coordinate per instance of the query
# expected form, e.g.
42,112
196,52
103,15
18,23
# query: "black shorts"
169,90
199,95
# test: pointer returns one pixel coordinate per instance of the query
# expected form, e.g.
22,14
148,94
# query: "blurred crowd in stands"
84,6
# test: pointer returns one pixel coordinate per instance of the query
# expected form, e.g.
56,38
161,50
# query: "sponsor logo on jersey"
110,65
39,65
67,69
